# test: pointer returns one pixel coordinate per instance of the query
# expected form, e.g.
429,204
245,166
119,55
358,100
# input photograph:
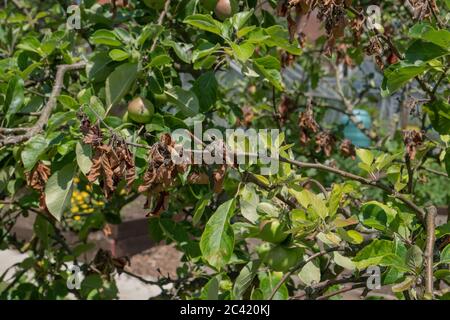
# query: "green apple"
160,99
272,231
282,259
140,110
263,249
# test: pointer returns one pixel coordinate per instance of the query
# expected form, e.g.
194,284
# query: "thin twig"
346,289
410,173
160,21
438,20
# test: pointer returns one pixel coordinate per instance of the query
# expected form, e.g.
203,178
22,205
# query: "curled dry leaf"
111,162
36,179
307,124
412,139
161,173
347,149
325,142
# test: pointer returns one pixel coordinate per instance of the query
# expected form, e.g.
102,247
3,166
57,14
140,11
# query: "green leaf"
443,230
217,241
58,190
90,283
160,60
198,211
119,82
245,279
380,252
269,67
414,257
278,37
84,155
43,229
439,112
32,151
243,51
248,201
205,22
211,289
447,161
203,50
342,261
397,75
366,156
427,33
422,51
149,32
377,215
118,55
182,50
68,102
99,67
205,88
310,274
186,101
105,37
240,19
267,283
311,200
337,193
404,285
445,255
14,95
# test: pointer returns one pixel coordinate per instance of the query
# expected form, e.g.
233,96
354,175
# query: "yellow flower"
77,218
89,210
84,206
76,179
75,209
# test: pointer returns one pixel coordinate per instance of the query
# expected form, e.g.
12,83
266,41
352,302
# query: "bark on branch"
429,250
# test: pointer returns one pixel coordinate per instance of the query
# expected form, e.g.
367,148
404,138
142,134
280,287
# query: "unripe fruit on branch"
272,231
282,259
140,110
225,9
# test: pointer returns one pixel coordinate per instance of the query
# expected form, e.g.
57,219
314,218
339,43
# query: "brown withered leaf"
162,173
412,139
285,106
282,8
325,142
92,133
347,149
307,124
36,179
111,162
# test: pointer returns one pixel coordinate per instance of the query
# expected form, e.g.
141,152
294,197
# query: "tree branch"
346,289
48,108
377,184
429,250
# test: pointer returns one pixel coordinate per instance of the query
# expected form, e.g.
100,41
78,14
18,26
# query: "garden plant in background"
93,94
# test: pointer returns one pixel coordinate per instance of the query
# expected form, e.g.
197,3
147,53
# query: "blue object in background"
351,132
